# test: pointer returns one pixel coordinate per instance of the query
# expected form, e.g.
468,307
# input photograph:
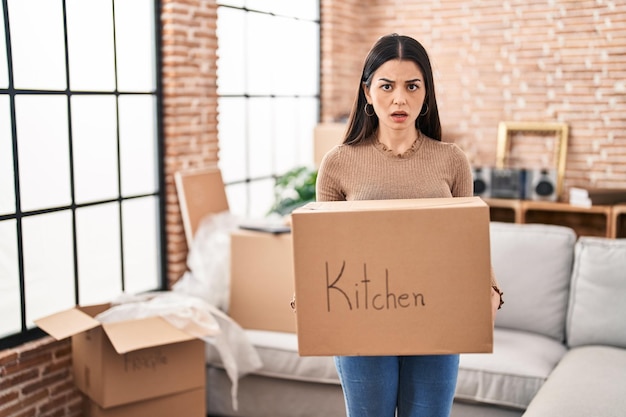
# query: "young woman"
392,150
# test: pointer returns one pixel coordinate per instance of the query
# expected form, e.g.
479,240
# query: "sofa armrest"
589,381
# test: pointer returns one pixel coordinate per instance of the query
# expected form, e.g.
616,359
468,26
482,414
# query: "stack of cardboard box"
133,367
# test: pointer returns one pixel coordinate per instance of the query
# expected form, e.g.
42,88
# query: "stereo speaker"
541,185
482,181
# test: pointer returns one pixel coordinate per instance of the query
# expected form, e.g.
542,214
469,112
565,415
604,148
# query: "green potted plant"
293,189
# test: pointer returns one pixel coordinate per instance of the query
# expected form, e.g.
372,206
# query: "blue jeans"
418,386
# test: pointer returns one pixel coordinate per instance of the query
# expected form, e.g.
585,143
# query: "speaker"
482,181
541,185
508,183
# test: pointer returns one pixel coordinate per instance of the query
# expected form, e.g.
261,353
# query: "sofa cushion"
589,381
279,354
597,312
513,373
533,265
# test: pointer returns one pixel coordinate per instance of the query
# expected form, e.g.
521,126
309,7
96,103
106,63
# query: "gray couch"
559,341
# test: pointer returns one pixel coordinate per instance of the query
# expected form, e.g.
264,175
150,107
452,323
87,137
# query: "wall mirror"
533,145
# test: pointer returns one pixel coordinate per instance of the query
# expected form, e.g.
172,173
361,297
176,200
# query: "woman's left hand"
495,304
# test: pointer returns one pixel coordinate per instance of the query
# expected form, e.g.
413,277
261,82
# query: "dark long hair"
394,46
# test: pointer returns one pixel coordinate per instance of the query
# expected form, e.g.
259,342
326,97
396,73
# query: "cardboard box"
325,137
124,362
187,403
395,277
262,283
261,263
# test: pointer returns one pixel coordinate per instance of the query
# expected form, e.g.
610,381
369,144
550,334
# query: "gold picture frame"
560,130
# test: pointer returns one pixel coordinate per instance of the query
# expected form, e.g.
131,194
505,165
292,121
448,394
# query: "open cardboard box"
261,264
127,361
393,277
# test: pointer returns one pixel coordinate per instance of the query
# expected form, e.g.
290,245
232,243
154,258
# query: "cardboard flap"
66,323
200,192
400,204
127,336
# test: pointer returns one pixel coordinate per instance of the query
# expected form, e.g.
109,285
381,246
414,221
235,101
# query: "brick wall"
495,60
190,106
36,380
343,49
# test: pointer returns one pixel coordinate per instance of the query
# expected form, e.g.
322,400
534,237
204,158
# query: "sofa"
559,341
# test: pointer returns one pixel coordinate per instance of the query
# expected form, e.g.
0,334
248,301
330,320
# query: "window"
80,197
268,88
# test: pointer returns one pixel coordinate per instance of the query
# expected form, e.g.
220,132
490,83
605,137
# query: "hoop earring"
366,112
425,111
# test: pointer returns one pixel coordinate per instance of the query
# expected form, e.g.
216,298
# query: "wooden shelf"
602,221
505,210
618,227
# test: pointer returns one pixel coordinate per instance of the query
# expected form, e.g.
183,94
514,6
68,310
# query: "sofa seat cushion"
279,354
513,374
589,381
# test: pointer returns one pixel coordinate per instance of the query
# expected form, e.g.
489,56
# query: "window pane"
261,197
134,34
261,131
231,51
296,56
307,109
41,123
9,280
4,72
237,195
36,49
48,264
99,263
288,135
138,151
301,76
262,61
232,133
7,188
90,45
94,136
141,244
295,120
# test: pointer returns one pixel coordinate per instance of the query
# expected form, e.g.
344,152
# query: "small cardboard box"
190,403
262,284
393,277
325,137
128,361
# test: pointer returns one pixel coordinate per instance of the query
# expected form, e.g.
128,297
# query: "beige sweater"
371,171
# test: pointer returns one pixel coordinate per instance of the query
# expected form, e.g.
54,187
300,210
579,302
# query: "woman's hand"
293,303
496,301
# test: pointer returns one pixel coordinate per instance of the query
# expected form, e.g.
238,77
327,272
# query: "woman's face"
397,92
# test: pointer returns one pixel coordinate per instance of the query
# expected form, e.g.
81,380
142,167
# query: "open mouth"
399,116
